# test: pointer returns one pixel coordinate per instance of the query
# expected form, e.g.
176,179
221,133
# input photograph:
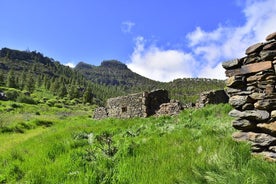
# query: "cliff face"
251,87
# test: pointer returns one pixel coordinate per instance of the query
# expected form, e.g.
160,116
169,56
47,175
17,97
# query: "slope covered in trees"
31,71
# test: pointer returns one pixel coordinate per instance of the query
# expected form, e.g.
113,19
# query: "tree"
88,95
11,80
73,92
30,85
22,80
2,81
62,90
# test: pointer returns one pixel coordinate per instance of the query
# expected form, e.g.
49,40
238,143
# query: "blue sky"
162,40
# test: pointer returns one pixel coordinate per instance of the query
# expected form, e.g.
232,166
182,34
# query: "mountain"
115,73
34,72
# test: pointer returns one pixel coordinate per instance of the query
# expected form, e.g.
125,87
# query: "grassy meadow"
43,144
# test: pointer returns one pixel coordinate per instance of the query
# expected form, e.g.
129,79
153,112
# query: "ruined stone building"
142,104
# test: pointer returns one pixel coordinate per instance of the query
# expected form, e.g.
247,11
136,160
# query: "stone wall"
133,105
212,97
142,104
251,87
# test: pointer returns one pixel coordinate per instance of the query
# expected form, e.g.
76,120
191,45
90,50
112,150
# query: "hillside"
33,72
115,73
42,144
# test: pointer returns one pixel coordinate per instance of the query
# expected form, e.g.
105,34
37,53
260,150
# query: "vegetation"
31,71
47,134
63,145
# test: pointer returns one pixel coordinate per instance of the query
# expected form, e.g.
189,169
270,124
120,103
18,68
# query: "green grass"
67,146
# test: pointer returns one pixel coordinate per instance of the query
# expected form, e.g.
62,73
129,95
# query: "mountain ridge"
110,79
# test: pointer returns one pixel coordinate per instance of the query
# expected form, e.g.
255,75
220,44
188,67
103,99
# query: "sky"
159,39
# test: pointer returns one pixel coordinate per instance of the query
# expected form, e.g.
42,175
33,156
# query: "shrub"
25,99
12,94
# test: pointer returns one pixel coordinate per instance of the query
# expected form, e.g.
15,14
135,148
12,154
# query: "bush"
12,94
25,99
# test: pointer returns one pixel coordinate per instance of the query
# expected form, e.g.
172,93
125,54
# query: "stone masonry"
212,97
142,104
251,87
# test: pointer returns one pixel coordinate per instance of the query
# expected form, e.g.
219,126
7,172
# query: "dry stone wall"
142,104
212,97
251,87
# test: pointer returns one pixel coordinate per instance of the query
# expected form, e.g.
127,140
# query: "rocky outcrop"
251,87
212,97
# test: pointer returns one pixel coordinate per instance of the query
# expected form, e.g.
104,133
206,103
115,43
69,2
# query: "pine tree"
11,80
30,84
88,95
73,92
62,90
2,80
22,80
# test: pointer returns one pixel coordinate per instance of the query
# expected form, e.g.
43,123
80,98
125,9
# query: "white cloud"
159,64
207,49
71,65
127,26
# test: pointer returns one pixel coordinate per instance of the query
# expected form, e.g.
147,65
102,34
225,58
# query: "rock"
256,139
270,46
254,48
270,156
257,96
238,101
268,55
232,64
100,113
273,114
171,108
265,104
243,124
254,115
271,36
248,106
235,82
3,96
272,148
269,128
240,136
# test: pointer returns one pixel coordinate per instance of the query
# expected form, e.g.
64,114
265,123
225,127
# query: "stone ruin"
251,87
142,104
212,97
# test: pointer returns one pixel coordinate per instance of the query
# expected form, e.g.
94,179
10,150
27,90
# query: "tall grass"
193,147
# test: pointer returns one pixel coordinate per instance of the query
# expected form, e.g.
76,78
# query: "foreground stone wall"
251,87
